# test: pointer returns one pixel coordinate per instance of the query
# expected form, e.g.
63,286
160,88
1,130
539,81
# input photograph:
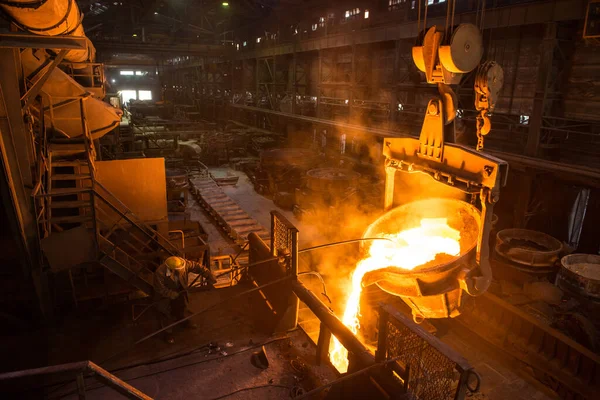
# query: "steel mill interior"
300,199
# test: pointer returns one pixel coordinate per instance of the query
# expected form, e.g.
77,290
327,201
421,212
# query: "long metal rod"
100,374
117,384
52,369
322,246
334,324
37,86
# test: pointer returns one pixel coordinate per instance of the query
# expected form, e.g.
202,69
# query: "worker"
171,284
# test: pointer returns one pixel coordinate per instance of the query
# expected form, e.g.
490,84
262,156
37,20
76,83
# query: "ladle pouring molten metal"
407,250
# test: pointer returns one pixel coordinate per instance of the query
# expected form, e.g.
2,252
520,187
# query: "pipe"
335,325
60,93
51,18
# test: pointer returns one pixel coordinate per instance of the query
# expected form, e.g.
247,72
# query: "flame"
411,248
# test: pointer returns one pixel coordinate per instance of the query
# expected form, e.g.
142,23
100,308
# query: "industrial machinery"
435,289
65,101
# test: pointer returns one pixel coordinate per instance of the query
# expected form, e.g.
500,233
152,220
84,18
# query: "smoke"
348,217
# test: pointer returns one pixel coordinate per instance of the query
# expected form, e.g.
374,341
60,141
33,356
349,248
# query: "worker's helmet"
174,263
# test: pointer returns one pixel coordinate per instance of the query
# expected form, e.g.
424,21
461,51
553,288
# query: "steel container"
529,248
580,274
434,289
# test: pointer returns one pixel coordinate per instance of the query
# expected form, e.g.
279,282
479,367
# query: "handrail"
174,250
80,368
116,248
131,212
93,192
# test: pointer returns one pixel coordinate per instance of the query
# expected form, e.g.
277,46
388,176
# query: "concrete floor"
96,334
107,337
208,374
502,376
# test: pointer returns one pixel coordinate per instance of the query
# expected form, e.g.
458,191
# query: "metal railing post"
381,352
80,387
294,272
323,344
273,250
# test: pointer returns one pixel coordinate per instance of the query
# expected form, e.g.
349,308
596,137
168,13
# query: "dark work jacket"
168,284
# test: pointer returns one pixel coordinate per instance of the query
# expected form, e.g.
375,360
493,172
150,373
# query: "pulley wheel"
491,76
465,50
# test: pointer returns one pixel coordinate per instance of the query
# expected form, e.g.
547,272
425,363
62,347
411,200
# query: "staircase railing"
79,369
108,213
126,217
133,218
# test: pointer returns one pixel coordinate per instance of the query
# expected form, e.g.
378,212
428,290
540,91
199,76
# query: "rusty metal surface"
229,215
580,274
431,370
527,247
137,183
572,370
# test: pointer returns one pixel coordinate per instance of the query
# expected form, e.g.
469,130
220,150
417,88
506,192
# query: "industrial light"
113,80
366,14
155,13
134,35
225,4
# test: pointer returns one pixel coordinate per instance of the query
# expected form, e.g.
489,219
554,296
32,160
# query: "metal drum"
529,248
434,289
580,274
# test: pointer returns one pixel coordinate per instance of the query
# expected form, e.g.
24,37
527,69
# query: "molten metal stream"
409,249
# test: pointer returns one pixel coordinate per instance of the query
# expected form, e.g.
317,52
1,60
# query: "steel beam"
539,12
99,373
16,159
541,91
26,40
362,355
163,48
37,86
572,173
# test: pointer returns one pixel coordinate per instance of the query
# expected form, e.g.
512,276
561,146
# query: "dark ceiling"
180,20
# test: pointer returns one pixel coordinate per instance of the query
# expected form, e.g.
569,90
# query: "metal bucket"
580,274
529,248
434,289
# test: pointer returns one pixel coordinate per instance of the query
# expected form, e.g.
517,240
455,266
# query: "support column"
352,83
395,73
319,84
521,205
294,80
541,92
16,181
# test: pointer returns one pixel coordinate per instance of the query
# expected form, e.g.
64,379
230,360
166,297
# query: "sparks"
411,248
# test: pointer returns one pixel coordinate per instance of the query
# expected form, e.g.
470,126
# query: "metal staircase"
68,196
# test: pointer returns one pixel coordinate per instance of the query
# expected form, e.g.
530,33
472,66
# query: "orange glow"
411,248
